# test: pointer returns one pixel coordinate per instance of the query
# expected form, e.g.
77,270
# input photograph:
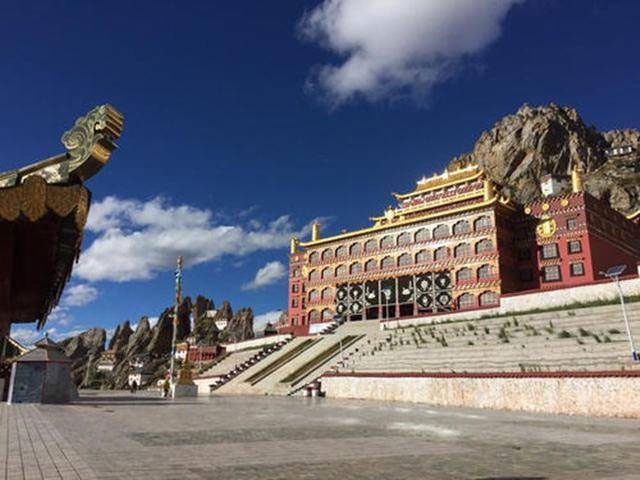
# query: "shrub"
564,334
606,339
583,332
614,331
470,343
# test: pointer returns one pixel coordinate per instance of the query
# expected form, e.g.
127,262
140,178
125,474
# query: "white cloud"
260,321
267,275
79,295
29,335
397,47
136,240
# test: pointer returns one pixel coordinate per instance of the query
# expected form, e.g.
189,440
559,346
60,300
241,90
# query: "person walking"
166,386
134,386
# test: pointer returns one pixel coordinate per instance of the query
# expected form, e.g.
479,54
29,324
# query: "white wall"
255,342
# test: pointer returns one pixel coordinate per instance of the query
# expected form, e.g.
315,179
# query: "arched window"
296,272
355,268
464,274
441,231
466,300
327,254
387,262
341,271
481,223
355,249
404,239
327,315
484,245
370,246
314,275
314,316
461,227
462,250
386,242
327,272
440,254
313,295
422,256
421,235
341,252
488,298
326,294
314,257
404,260
485,271
370,265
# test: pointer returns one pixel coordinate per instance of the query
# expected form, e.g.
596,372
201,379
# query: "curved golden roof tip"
89,143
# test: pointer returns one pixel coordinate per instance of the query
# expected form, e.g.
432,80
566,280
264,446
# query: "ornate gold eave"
399,223
89,144
444,180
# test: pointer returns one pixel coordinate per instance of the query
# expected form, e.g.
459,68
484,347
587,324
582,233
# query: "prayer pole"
175,320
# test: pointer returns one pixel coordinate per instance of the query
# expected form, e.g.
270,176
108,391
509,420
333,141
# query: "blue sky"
246,120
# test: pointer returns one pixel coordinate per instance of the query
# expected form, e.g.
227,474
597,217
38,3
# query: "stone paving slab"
120,436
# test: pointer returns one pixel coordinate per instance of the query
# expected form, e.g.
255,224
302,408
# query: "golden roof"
445,179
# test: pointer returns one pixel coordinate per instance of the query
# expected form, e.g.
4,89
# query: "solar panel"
615,271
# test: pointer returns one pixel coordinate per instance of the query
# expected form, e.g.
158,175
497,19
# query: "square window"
572,224
295,288
294,303
551,273
574,246
550,250
577,269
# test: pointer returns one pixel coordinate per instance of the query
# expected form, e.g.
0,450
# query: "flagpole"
175,322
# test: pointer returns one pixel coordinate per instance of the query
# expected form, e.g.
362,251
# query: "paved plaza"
122,436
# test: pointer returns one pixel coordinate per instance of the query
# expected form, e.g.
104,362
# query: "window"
355,268
327,273
327,254
481,223
327,315
572,224
577,269
387,262
314,257
484,245
314,275
485,271
355,249
314,316
404,260
461,227
464,274
422,235
370,246
574,246
404,239
294,303
551,273
294,321
370,265
488,298
313,295
341,271
422,256
441,253
341,252
296,272
524,254
466,300
526,275
295,288
386,242
326,294
441,231
462,250
550,250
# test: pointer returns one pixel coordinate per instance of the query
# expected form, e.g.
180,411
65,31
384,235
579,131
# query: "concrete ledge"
608,394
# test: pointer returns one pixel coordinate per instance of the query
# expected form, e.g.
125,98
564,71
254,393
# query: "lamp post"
613,274
175,321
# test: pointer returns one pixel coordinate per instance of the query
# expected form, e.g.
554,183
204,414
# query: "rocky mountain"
84,349
240,327
535,141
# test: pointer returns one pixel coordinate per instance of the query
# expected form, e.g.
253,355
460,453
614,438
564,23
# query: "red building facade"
455,243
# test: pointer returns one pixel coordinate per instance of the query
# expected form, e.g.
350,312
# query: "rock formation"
162,332
535,141
205,329
240,327
84,349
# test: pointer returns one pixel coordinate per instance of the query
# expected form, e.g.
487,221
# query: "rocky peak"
522,147
240,327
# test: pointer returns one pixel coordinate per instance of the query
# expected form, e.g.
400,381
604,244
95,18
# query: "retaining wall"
613,394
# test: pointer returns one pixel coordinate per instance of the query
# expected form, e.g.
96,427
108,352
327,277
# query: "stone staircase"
233,364
587,339
294,367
